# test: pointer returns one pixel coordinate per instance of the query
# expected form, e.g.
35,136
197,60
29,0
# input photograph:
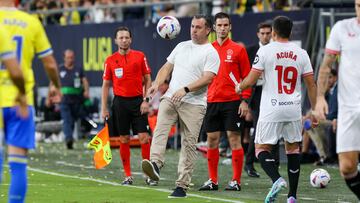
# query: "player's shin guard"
125,157
293,173
354,184
213,161
237,164
145,151
18,184
268,165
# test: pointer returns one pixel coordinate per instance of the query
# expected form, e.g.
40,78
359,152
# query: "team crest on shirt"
62,74
256,60
119,72
229,54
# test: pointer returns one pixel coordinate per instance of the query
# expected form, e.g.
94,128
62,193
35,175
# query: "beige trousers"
319,137
190,117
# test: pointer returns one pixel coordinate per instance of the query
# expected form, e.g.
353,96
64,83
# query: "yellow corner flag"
101,144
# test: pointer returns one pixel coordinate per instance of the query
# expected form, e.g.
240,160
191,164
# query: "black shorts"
223,116
125,115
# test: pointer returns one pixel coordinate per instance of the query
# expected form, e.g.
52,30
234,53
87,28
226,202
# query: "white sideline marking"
74,165
90,167
118,184
310,199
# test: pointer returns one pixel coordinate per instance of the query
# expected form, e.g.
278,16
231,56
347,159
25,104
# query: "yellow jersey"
29,38
7,51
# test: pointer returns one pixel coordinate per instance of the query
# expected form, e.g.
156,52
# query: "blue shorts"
19,132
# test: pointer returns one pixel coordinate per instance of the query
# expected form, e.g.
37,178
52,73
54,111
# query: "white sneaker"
275,189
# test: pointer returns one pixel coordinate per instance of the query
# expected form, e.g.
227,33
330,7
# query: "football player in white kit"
344,41
283,64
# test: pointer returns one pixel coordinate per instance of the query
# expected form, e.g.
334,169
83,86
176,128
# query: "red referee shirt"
126,73
233,58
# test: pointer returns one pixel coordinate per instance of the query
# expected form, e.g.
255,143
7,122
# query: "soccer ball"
168,27
319,178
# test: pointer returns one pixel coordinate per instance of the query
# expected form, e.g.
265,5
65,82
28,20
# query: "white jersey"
282,65
345,40
190,61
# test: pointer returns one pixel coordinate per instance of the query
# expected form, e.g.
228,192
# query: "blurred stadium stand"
94,42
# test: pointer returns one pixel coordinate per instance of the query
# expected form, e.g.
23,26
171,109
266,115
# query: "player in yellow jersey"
29,38
8,62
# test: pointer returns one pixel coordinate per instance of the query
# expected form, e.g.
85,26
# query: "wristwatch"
246,100
186,89
146,99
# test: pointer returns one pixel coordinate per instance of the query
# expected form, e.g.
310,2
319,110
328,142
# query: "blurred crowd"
89,11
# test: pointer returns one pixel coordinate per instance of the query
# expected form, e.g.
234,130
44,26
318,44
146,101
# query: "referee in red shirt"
225,107
127,70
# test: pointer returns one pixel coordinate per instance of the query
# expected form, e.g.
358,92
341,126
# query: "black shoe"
234,186
330,161
319,163
128,181
151,182
252,172
179,192
69,144
150,169
209,185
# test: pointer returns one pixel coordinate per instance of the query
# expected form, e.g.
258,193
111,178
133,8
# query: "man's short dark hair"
264,25
282,25
333,72
222,15
207,19
122,28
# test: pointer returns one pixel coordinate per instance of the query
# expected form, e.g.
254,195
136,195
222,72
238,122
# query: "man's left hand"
243,109
23,110
178,95
314,119
144,108
334,125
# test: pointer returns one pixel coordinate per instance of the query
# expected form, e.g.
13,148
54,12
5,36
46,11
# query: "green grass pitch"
60,175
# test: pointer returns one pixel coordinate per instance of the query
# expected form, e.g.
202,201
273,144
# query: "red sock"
237,163
145,151
125,157
213,161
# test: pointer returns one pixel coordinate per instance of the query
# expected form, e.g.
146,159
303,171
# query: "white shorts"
271,132
348,130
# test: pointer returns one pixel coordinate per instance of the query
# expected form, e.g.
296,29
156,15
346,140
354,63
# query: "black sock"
293,173
354,185
268,164
276,154
245,146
